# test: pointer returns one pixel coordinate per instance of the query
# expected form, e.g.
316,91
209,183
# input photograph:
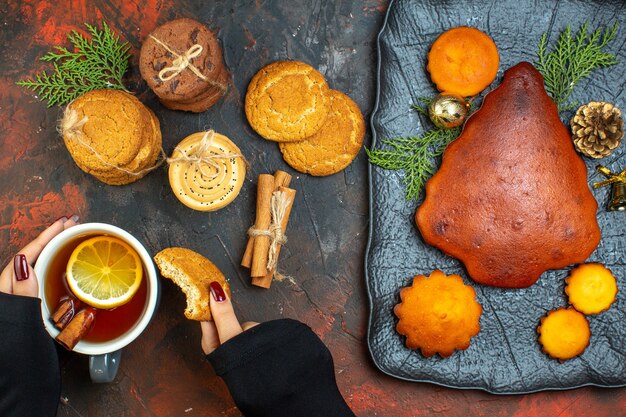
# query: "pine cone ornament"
597,129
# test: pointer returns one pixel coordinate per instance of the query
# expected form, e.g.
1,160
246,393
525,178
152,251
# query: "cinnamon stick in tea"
265,190
65,311
77,328
266,280
281,179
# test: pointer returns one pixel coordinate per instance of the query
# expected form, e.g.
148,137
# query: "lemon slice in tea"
104,272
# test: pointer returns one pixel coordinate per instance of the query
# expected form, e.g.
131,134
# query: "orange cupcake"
564,333
438,314
591,288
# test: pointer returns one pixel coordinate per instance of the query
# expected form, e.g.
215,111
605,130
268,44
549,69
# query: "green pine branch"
95,63
414,154
573,58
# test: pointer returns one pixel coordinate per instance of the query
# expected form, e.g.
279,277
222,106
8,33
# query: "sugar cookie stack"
320,131
111,135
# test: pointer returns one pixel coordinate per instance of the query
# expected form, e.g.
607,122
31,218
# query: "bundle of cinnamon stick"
73,323
273,207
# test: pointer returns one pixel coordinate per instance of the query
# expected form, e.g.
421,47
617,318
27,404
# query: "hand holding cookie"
193,273
224,325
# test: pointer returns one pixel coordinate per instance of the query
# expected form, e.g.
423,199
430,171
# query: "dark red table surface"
163,372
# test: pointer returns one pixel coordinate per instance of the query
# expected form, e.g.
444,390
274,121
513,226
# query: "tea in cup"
107,330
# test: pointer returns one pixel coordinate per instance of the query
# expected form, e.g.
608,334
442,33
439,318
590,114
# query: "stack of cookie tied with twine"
320,131
111,135
182,63
206,171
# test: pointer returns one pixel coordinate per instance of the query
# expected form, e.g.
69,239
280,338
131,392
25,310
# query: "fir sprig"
414,154
99,62
571,59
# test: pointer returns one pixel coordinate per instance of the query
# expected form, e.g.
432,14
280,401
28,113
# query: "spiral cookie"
287,101
206,171
335,145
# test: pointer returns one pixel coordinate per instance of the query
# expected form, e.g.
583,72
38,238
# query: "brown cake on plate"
511,198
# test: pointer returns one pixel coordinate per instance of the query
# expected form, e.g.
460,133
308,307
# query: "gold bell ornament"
618,188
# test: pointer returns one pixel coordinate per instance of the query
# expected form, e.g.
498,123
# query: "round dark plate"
505,356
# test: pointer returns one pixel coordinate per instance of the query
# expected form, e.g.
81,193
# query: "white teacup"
105,356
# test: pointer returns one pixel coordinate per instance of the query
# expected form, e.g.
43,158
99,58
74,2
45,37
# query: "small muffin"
193,273
210,185
564,333
184,88
335,145
438,314
591,288
287,101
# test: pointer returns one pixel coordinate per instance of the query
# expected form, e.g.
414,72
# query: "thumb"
226,321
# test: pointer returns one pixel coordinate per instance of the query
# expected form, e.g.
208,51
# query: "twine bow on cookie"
280,202
203,155
611,177
181,62
70,123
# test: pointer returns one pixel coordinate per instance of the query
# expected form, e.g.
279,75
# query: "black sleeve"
280,369
30,379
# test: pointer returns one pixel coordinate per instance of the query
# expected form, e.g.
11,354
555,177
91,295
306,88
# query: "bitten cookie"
181,62
287,101
335,145
193,273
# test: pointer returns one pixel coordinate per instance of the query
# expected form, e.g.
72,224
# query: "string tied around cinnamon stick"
279,204
71,127
182,62
203,157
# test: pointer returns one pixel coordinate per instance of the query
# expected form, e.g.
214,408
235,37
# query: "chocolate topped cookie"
182,63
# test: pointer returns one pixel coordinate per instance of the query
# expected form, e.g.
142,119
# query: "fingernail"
217,292
64,218
75,218
20,266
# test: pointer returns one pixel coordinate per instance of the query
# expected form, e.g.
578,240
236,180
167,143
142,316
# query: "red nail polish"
217,292
20,266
